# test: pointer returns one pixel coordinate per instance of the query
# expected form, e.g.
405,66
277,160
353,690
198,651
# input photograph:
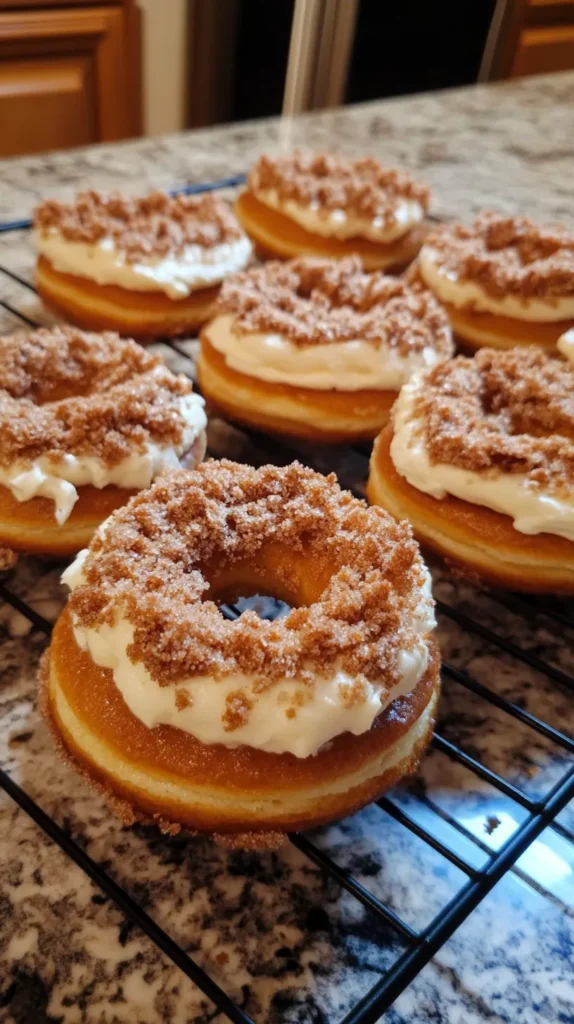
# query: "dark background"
401,46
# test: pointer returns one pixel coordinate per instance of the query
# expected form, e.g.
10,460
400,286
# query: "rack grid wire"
419,945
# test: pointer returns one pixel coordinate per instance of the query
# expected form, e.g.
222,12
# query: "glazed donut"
245,726
86,420
317,349
504,281
480,459
320,204
145,267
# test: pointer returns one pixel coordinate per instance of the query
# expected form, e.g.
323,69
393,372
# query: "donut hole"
318,300
502,410
54,393
282,576
52,365
266,606
68,393
252,595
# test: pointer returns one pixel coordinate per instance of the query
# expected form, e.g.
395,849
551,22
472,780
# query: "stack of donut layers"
330,310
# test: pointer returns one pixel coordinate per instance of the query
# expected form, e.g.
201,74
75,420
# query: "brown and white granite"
509,146
287,943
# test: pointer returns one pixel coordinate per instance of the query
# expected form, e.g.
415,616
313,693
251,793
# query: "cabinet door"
67,77
46,104
541,50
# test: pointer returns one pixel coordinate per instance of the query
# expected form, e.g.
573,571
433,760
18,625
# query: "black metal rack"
419,946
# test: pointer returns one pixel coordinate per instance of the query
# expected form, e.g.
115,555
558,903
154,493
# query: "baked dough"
361,607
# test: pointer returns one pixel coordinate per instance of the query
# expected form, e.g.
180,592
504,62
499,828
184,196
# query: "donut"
480,458
244,727
504,281
321,204
86,421
145,267
318,349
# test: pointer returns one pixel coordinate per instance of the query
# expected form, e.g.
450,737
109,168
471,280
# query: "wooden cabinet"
68,76
530,37
541,50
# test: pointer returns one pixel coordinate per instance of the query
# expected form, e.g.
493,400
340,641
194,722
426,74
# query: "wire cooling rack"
419,946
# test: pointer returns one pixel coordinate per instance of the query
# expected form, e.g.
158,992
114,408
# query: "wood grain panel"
12,4
46,103
82,67
551,3
541,50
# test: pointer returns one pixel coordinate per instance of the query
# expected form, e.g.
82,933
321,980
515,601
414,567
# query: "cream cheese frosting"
565,345
323,714
59,477
466,294
532,508
341,224
198,266
345,366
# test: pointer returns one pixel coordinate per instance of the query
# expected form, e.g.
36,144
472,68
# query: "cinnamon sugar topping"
153,564
509,411
155,225
66,391
508,255
183,699
315,301
238,706
362,187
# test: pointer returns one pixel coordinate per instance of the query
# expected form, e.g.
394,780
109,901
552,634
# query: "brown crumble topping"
317,302
237,710
505,411
143,226
65,391
151,566
183,699
256,842
296,701
508,255
362,187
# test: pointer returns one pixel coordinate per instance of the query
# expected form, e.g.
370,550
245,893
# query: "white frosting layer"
343,366
532,509
58,479
342,225
322,716
467,294
565,345
198,266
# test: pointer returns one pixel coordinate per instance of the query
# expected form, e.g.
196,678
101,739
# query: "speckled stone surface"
508,145
285,941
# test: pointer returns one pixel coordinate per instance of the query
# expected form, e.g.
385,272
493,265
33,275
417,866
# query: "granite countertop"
285,941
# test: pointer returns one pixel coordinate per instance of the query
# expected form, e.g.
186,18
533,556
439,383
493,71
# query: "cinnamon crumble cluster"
318,302
505,411
362,187
154,563
155,225
65,391
508,255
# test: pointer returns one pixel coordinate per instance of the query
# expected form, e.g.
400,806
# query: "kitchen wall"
164,43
